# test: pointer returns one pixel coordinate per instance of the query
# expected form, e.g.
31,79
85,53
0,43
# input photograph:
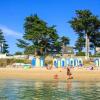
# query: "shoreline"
42,74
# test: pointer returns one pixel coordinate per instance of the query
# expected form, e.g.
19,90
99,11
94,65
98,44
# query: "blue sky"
54,12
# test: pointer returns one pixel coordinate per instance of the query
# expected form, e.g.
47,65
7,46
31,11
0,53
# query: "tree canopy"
3,44
87,24
39,38
80,43
65,40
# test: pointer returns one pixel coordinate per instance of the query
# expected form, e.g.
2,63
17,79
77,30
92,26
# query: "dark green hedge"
80,54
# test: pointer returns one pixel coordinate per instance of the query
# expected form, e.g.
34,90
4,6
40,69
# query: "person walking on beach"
69,73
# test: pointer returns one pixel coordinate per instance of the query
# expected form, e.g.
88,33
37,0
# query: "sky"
54,12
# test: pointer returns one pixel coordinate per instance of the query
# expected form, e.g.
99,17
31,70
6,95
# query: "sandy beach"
81,74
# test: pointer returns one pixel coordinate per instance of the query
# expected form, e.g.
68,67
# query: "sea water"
48,90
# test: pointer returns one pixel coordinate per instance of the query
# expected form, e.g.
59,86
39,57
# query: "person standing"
69,74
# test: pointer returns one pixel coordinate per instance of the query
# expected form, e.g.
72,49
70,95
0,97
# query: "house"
98,49
67,51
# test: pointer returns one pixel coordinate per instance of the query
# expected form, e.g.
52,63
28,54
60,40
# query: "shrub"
18,53
96,55
80,54
22,61
5,62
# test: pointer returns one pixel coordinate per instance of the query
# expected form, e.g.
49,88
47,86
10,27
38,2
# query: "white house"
98,49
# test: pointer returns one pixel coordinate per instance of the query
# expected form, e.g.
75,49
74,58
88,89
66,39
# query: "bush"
80,54
96,55
18,53
5,62
22,61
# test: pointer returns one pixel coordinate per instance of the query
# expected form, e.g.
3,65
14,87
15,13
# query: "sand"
79,74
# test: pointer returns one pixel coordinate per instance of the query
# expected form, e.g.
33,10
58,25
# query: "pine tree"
3,44
39,38
87,23
80,42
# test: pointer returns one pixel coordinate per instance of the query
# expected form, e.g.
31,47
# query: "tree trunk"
0,49
35,53
41,51
87,47
63,50
45,51
95,50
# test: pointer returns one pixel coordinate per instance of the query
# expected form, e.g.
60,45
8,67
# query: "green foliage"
22,61
18,53
39,38
80,43
96,55
3,44
87,24
95,41
80,54
65,40
22,43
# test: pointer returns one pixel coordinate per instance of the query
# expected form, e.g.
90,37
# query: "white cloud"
10,32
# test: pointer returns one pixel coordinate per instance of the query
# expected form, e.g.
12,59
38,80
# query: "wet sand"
80,74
